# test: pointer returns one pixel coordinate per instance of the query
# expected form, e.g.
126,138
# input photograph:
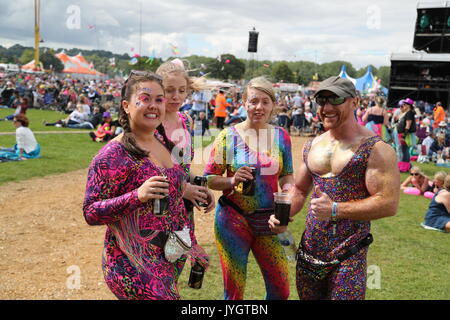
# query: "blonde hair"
261,84
419,171
440,175
416,169
447,182
193,83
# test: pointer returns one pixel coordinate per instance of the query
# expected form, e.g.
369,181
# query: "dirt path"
44,240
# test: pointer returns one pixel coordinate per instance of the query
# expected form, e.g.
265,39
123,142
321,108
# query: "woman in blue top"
438,214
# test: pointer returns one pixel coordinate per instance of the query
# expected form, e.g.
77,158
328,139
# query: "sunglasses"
333,100
415,174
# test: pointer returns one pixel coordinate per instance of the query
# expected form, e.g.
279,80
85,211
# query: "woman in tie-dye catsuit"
268,149
123,180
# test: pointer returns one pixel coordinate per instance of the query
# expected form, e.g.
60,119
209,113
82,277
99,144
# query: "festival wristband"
334,212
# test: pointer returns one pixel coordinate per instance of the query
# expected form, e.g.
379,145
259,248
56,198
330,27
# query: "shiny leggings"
234,240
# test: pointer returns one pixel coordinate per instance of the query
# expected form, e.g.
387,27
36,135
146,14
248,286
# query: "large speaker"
432,31
253,41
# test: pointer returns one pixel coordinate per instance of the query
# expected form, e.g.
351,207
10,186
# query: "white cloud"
362,32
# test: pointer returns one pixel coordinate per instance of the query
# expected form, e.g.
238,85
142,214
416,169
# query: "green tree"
229,67
330,69
50,62
27,56
282,72
384,73
361,72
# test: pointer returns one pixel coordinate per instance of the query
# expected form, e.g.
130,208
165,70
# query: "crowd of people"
140,183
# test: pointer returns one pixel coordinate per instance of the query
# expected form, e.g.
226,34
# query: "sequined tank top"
348,185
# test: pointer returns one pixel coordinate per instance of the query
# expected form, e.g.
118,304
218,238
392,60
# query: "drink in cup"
282,207
249,186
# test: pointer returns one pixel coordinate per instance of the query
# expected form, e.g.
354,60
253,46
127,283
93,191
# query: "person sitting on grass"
94,120
417,183
106,131
78,116
20,109
26,146
438,214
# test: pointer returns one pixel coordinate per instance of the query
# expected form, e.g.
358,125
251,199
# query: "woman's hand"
242,174
195,194
152,189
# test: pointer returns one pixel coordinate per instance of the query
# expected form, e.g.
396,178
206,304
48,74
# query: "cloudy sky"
362,32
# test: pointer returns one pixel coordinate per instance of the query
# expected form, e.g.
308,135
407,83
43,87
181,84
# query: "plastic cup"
282,207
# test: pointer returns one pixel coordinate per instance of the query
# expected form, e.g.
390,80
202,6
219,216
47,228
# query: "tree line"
223,67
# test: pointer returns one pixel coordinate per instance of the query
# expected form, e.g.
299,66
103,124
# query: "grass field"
405,261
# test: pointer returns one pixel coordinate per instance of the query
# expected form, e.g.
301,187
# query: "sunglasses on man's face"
333,100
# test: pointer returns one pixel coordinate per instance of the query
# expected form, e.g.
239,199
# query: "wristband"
334,212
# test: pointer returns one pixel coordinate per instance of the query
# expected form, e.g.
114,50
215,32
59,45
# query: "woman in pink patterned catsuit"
123,180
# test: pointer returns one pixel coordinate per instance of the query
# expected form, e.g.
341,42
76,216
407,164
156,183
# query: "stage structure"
424,74
432,31
420,76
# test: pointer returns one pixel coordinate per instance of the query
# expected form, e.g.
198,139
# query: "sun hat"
408,101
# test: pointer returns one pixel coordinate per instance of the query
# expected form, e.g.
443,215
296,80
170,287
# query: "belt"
224,201
159,240
365,242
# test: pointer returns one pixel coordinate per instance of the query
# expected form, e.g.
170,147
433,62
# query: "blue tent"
364,83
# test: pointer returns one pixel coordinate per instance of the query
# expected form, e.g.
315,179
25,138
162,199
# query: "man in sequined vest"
354,179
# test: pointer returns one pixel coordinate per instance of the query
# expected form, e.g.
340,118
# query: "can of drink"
160,206
249,186
196,276
201,181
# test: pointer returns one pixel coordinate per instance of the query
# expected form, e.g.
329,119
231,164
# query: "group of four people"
146,169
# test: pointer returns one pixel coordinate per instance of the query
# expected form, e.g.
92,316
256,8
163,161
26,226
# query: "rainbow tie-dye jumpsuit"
234,236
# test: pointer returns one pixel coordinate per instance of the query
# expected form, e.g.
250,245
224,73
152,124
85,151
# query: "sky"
362,32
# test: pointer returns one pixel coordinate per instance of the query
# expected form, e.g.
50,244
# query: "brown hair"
22,119
128,89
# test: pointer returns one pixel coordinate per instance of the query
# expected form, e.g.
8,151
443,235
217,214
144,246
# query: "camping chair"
423,157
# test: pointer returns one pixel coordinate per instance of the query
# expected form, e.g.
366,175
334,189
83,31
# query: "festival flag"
133,61
175,49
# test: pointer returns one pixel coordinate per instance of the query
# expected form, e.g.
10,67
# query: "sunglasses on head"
143,73
333,100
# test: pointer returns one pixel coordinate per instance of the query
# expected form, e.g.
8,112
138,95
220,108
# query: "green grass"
59,153
36,117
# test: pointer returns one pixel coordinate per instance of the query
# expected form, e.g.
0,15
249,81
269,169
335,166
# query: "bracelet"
334,212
